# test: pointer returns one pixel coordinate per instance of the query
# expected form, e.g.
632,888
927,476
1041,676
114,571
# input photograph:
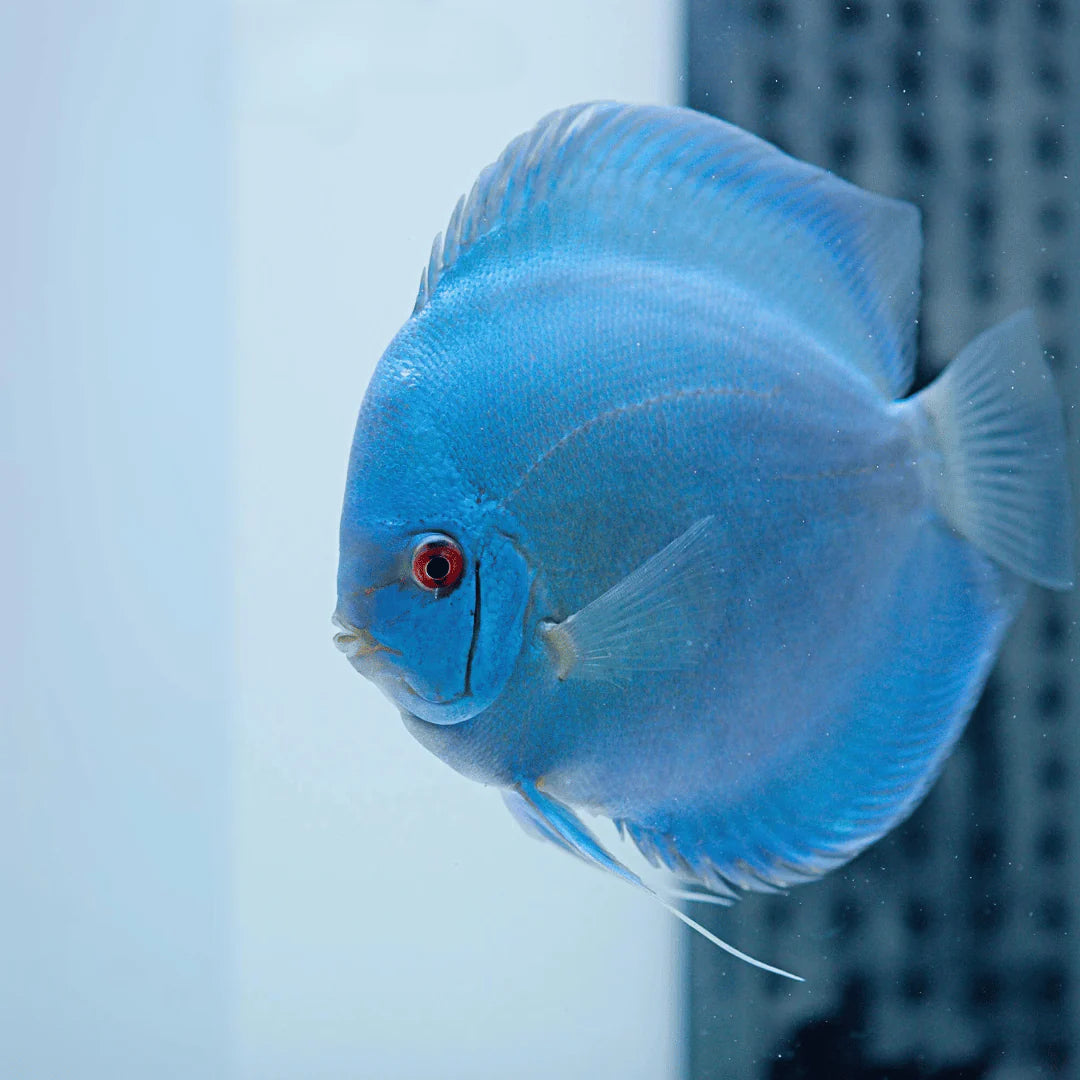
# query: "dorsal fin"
677,186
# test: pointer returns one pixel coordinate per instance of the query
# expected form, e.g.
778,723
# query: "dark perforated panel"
949,948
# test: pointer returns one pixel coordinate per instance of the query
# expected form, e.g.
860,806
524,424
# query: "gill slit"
475,633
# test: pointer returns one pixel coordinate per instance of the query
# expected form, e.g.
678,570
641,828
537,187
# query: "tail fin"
1002,477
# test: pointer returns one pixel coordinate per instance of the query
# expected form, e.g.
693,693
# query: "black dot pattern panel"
949,949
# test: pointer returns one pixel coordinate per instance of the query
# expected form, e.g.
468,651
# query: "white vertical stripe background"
387,918
115,560
391,921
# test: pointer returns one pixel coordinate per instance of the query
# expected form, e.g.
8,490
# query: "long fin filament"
720,943
544,817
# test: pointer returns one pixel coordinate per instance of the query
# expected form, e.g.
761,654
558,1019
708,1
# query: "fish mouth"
364,652
356,643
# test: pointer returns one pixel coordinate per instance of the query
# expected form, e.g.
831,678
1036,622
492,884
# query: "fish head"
432,589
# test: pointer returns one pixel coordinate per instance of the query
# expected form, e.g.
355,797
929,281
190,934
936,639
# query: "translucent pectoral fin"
649,621
548,819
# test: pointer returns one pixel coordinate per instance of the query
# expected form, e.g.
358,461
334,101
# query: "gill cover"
443,657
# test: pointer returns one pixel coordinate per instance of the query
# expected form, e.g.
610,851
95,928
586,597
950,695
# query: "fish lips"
375,661
368,656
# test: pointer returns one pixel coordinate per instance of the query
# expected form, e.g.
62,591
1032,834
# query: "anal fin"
548,819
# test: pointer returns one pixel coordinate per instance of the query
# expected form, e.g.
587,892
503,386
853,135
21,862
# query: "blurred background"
221,856
949,950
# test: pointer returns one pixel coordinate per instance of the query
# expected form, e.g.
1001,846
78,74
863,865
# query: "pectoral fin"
652,620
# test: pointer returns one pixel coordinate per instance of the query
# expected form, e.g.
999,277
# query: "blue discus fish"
638,520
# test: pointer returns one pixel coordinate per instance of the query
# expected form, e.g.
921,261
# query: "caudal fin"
1001,476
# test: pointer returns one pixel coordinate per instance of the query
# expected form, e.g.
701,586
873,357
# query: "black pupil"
438,566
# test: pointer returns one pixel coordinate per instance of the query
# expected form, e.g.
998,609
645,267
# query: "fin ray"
640,623
997,453
545,817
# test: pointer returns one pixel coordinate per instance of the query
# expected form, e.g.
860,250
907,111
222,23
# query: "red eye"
437,564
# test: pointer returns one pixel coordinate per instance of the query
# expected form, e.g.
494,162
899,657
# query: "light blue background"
221,855
116,401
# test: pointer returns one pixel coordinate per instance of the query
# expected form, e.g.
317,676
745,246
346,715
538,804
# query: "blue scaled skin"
699,566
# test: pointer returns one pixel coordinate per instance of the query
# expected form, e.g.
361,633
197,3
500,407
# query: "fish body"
708,572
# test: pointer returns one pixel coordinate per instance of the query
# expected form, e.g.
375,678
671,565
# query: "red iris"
437,564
